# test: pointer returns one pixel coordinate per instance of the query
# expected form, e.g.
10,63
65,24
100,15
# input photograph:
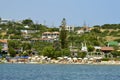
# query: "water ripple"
58,72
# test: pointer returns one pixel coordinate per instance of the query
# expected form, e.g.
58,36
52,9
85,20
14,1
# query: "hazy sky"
93,12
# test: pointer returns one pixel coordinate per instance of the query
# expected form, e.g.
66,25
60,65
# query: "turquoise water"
58,72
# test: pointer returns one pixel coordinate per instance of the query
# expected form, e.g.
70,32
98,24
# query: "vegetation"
18,43
63,34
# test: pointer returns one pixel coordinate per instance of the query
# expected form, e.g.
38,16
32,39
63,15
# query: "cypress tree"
63,34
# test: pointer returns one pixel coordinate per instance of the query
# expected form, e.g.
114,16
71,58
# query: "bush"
105,59
48,51
12,52
82,54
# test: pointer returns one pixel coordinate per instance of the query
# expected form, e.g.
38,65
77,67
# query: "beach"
59,60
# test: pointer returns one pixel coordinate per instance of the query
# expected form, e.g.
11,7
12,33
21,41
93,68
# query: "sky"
51,12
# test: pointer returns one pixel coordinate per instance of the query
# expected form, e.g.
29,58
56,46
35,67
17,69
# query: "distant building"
50,36
68,28
4,21
83,29
26,26
97,47
80,31
74,51
28,31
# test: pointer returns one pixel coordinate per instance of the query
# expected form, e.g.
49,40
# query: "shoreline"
99,63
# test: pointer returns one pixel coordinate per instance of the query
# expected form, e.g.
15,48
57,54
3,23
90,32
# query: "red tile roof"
107,48
3,40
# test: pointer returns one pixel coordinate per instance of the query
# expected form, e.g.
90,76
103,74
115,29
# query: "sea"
59,72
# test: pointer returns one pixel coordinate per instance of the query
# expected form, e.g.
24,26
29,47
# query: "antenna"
53,25
84,24
44,22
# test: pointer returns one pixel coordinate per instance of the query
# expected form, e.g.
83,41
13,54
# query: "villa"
68,28
50,36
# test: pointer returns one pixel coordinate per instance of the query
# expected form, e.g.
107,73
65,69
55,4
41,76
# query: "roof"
3,40
51,33
55,32
47,33
107,48
4,49
111,43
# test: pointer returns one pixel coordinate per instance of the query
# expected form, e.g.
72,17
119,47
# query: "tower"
85,27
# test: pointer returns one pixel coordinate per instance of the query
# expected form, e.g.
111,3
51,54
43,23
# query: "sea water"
59,72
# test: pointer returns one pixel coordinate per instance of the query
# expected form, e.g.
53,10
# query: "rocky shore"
59,60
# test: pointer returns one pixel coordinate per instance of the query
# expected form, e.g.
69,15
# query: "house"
50,36
28,31
4,21
74,51
68,28
48,40
4,44
26,26
80,31
84,29
42,40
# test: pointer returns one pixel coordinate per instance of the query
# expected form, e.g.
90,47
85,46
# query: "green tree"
26,46
0,19
25,53
0,48
12,52
56,45
58,54
27,22
82,54
90,48
14,44
66,52
115,54
63,34
48,51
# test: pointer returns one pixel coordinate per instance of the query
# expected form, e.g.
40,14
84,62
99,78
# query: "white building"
28,31
68,28
4,21
80,31
50,35
26,26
